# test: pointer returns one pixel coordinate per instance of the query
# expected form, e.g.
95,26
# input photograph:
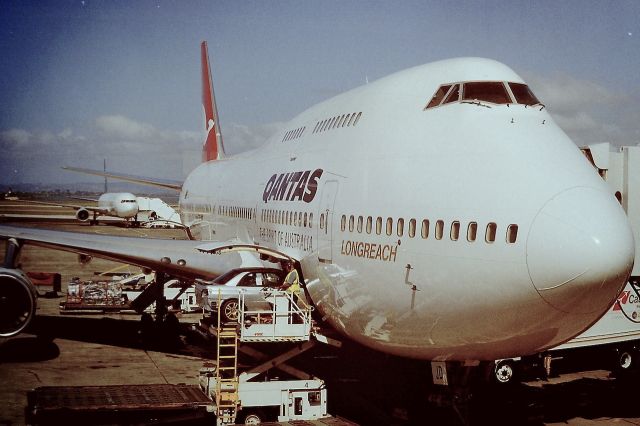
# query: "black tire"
252,417
229,310
505,372
625,361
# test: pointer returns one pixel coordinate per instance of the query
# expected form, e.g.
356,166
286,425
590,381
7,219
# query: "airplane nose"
580,250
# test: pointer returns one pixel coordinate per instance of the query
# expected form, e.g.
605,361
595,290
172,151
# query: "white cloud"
239,137
587,111
14,139
122,127
129,146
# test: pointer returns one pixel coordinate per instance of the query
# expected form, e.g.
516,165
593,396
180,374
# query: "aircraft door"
326,222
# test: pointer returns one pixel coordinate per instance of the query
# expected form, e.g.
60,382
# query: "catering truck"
613,342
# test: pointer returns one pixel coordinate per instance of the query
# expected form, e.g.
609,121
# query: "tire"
252,417
229,310
625,361
505,372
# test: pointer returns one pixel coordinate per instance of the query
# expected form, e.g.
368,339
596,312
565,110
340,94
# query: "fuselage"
119,204
468,230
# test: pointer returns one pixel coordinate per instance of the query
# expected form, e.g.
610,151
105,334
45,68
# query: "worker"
291,282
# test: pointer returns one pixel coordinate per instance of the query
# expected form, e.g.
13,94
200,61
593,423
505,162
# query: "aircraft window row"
237,212
293,134
344,120
495,92
390,227
285,217
196,207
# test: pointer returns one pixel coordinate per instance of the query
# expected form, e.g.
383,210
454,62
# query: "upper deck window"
523,94
488,91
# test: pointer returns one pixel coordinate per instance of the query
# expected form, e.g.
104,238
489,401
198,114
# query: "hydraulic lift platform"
116,404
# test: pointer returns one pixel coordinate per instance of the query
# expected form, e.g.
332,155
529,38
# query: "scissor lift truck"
249,396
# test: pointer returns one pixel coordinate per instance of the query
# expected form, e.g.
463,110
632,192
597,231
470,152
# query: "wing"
161,183
186,259
72,206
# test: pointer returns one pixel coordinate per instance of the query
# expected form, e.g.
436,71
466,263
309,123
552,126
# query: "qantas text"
294,186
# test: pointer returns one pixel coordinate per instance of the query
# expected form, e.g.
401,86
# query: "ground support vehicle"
251,396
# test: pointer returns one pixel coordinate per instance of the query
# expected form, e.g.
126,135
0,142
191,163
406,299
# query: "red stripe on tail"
213,149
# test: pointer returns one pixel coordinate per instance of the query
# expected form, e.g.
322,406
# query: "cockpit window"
495,92
523,94
453,96
439,95
489,91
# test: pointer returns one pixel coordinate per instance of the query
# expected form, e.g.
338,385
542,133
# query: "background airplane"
122,205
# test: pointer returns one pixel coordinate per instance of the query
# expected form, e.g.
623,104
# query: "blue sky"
85,80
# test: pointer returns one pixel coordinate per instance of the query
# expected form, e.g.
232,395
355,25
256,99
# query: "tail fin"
213,148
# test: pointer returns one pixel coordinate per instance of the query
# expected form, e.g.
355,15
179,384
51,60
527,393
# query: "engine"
82,215
17,302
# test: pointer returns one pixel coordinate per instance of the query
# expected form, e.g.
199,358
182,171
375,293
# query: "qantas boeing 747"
438,213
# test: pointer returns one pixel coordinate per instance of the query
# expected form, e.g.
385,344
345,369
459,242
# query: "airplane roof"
420,80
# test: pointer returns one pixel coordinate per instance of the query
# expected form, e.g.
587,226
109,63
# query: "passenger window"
400,230
346,120
343,223
455,231
300,219
425,229
439,229
472,231
512,233
359,226
490,235
438,96
351,223
378,225
353,116
369,224
305,220
357,118
412,228
453,95
340,121
310,220
490,91
321,220
389,226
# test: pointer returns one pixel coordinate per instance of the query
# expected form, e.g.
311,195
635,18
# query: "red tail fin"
213,148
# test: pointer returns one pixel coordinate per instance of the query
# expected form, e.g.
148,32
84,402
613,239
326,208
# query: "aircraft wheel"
626,360
504,372
229,310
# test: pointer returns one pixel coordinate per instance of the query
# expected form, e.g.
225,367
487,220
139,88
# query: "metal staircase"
226,395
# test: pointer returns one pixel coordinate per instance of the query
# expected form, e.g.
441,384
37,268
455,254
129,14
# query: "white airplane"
122,205
438,213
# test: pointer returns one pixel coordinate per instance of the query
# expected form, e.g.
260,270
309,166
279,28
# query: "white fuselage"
525,246
119,204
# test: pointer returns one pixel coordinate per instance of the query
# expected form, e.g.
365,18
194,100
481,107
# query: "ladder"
226,372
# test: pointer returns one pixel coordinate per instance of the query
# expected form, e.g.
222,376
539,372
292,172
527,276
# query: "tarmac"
365,387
